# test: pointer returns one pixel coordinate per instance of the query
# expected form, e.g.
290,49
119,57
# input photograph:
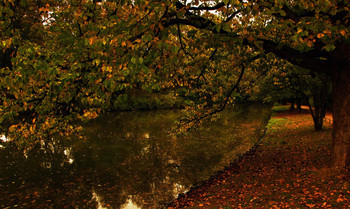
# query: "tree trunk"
316,117
341,118
318,124
292,104
299,105
320,107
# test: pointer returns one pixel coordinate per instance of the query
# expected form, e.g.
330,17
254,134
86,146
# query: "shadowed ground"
287,170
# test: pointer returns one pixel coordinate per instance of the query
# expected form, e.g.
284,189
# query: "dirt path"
288,170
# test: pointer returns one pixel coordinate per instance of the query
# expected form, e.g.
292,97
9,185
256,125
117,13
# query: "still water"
126,160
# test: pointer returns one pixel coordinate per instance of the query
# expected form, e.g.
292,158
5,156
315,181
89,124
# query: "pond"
127,160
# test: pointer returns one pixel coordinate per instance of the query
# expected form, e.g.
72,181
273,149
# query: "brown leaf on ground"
288,170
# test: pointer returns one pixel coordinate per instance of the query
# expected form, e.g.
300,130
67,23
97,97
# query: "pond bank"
287,170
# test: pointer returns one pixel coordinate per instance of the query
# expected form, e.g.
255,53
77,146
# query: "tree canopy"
66,61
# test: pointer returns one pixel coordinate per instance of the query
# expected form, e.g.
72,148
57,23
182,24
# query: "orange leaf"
320,35
343,32
309,43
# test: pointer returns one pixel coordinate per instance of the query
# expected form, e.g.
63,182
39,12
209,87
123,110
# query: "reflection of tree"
124,163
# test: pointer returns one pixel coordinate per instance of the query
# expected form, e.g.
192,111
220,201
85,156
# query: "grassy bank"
287,170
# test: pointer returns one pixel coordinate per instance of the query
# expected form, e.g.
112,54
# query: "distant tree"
317,88
290,83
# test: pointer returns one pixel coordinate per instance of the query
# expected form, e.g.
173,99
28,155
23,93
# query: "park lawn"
287,170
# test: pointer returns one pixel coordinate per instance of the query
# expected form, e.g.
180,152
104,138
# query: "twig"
180,39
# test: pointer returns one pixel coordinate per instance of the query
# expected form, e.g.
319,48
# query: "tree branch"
232,15
218,6
180,39
310,59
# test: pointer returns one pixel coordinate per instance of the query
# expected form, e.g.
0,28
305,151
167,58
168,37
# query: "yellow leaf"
31,129
87,114
91,41
107,69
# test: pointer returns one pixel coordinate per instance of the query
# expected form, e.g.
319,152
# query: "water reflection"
3,138
128,160
130,205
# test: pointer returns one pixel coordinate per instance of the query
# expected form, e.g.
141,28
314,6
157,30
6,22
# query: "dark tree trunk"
320,108
319,96
317,117
341,118
292,105
298,101
318,124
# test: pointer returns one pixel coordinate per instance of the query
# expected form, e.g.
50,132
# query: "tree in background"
316,89
286,82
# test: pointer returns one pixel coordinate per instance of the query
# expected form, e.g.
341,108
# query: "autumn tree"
88,52
310,34
66,61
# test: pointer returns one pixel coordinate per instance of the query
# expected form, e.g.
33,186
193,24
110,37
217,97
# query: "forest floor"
287,170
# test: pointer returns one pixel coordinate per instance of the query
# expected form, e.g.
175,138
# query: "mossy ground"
289,169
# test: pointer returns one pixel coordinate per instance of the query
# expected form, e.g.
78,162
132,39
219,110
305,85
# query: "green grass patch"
275,123
280,108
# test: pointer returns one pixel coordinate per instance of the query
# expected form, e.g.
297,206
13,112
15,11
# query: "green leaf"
283,13
147,37
329,47
133,60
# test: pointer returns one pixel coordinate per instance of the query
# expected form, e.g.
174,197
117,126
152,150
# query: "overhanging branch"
312,60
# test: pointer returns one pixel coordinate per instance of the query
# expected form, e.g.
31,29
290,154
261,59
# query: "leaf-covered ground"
287,170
